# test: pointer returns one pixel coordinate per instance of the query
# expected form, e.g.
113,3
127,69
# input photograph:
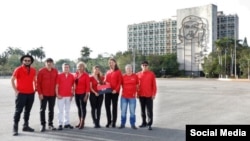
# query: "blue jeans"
124,105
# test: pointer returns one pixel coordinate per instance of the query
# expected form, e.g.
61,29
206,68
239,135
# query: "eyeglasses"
27,60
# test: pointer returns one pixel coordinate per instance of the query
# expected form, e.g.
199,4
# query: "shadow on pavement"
107,134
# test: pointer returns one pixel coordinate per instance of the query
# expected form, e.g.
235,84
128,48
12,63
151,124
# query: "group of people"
53,86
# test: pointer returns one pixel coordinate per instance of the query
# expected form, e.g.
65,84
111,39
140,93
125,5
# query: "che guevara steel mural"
193,38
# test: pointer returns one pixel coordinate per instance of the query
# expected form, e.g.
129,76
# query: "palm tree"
38,53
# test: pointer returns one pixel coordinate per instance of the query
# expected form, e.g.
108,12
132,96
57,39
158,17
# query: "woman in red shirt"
114,78
95,98
129,90
82,90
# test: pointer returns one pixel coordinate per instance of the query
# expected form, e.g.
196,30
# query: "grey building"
197,31
227,25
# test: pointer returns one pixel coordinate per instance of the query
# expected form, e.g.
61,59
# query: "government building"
190,34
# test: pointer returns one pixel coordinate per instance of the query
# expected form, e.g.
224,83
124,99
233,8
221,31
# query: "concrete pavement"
178,102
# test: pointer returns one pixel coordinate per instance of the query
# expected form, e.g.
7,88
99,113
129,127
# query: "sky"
63,27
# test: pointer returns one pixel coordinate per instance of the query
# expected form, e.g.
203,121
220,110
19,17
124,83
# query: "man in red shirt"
146,93
46,84
23,82
64,92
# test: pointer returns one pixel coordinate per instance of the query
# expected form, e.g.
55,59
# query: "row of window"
148,35
152,36
153,31
153,42
163,28
226,31
139,27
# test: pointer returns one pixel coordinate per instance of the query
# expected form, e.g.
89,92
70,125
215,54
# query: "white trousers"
63,110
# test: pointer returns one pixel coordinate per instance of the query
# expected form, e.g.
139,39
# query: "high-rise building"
227,25
153,37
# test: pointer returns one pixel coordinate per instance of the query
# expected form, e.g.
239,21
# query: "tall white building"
197,31
153,37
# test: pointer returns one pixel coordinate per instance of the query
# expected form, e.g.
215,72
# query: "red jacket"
129,85
82,83
65,84
147,84
25,80
115,79
46,81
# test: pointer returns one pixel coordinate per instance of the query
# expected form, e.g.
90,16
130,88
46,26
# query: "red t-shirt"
95,83
147,84
25,79
129,85
46,81
65,84
115,79
82,83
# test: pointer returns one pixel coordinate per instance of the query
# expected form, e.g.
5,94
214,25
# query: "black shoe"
68,126
133,127
113,125
51,127
15,130
108,124
149,128
143,125
28,129
60,127
97,126
15,133
122,126
42,128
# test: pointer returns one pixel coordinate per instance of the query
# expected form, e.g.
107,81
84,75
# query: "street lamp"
248,69
235,70
133,59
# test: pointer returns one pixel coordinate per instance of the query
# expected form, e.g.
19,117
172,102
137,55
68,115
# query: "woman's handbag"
105,88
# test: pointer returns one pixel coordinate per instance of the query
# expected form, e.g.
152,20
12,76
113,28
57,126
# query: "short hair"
49,60
81,64
144,62
64,64
128,66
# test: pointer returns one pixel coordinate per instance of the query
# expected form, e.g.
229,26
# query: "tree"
72,64
3,58
16,51
85,53
38,53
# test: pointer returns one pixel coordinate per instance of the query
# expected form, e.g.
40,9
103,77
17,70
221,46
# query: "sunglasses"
27,60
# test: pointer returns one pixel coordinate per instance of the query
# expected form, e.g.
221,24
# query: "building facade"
197,32
191,34
152,37
227,25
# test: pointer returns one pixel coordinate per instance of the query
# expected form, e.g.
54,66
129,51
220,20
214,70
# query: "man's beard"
27,65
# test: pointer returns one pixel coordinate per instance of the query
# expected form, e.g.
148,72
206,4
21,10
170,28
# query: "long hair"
116,66
99,75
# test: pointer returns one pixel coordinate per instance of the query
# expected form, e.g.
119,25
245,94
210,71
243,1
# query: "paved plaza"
178,102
